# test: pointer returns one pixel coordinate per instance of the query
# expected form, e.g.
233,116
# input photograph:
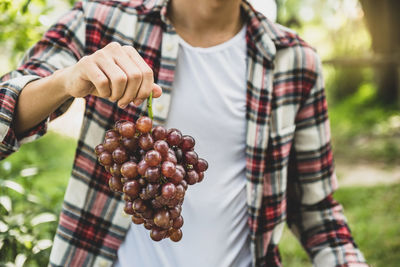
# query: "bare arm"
117,73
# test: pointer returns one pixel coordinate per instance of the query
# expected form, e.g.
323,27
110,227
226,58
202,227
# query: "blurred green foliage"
22,23
32,187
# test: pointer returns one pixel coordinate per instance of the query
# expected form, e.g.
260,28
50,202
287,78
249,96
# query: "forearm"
38,100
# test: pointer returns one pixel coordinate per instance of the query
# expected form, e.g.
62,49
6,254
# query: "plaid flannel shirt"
290,174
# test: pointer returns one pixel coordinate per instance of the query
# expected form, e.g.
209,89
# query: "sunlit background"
359,43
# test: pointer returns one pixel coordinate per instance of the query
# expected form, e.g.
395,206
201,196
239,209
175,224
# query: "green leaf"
43,218
3,227
20,260
29,171
42,245
5,201
14,186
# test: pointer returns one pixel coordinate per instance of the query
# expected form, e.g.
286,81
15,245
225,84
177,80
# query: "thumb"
157,90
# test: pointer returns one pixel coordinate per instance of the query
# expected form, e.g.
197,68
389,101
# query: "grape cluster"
152,167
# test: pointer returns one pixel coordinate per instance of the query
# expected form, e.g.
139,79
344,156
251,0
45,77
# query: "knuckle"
102,81
114,45
100,53
104,94
148,73
128,48
136,76
120,79
85,60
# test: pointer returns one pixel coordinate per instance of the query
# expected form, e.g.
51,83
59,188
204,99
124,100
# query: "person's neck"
205,23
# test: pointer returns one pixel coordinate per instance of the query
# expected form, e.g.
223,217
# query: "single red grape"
168,191
161,219
120,155
174,137
201,176
127,129
179,155
139,205
130,144
115,184
153,174
137,220
181,168
180,192
201,165
177,177
106,159
99,149
110,144
115,170
187,143
178,222
132,188
159,133
176,235
184,184
170,157
168,169
152,189
162,147
128,208
118,124
175,212
129,170
148,214
190,157
142,167
111,134
192,177
144,124
153,158
157,234
146,141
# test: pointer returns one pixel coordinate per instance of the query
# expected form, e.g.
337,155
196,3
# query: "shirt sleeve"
314,216
61,46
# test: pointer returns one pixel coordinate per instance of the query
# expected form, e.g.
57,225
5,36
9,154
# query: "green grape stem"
149,106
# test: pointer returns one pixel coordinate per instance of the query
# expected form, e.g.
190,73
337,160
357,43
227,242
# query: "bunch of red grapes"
152,167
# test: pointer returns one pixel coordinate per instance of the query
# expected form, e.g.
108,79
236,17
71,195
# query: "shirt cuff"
9,93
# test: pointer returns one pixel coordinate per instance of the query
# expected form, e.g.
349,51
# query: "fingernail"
123,106
137,102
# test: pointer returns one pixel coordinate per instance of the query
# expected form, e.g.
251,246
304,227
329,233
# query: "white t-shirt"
209,103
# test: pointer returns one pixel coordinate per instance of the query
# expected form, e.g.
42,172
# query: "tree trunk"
383,21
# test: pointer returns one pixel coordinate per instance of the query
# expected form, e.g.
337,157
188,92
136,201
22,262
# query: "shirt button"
103,263
170,47
159,107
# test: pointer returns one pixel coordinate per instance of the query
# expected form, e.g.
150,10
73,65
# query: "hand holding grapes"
152,167
115,72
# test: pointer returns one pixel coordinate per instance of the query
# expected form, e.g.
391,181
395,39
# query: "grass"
373,214
364,129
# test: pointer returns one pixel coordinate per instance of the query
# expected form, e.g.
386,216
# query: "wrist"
60,81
